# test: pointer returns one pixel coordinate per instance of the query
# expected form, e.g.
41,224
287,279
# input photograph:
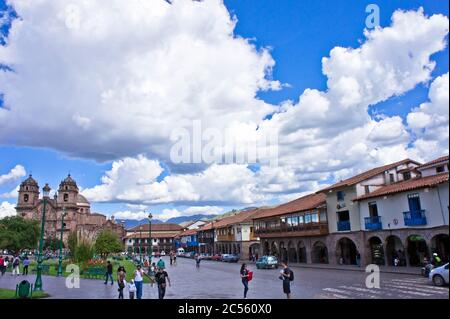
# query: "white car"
439,275
163,253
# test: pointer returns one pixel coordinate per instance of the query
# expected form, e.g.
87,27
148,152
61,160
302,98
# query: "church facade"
77,208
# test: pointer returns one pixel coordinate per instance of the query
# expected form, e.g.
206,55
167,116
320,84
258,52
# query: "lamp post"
60,272
140,244
38,282
150,237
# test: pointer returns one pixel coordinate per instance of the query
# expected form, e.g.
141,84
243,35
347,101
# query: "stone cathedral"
78,218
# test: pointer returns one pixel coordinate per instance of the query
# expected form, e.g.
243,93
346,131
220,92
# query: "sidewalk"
383,269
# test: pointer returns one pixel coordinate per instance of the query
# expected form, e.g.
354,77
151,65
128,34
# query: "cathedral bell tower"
28,193
67,192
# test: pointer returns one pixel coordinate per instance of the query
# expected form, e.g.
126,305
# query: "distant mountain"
130,223
192,218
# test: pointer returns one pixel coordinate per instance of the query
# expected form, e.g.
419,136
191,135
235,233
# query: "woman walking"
244,277
138,281
121,281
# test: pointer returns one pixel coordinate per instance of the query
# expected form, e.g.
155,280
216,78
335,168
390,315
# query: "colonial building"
162,238
235,234
187,240
353,206
295,231
78,218
206,234
408,219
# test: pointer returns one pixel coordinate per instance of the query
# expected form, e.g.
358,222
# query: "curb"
358,269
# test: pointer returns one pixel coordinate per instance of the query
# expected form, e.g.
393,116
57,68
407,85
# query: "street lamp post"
140,244
150,237
60,272
38,282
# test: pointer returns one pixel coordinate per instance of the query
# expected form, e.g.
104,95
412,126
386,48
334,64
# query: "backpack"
291,276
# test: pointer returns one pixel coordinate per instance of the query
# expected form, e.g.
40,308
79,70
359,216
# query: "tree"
83,252
52,243
106,243
17,233
72,243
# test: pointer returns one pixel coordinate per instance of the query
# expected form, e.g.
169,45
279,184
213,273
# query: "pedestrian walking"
131,289
171,258
138,281
6,263
109,272
26,264
161,264
174,259
245,276
198,259
2,265
15,265
161,277
286,275
358,260
121,281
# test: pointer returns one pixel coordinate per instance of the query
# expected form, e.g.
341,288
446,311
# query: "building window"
340,196
406,176
391,178
315,217
373,209
308,218
440,169
414,202
26,198
66,197
366,189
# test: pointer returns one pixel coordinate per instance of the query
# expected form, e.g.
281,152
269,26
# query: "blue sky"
299,34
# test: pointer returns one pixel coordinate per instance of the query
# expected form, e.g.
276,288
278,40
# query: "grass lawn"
128,264
10,294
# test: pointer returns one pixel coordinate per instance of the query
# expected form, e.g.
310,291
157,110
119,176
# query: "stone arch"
283,252
274,249
319,253
395,249
254,249
266,248
292,252
302,256
417,249
376,250
346,252
440,245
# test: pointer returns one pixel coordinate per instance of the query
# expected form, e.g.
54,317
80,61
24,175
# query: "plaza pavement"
218,280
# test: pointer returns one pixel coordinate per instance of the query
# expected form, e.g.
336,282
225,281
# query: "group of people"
286,276
156,273
5,262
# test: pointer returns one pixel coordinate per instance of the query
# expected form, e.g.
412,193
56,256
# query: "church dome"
82,200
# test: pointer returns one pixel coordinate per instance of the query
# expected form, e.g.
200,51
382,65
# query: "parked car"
216,257
231,258
163,253
205,256
267,262
439,275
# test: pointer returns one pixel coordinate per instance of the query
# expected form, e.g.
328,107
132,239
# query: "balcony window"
301,219
373,209
373,222
323,217
340,196
308,218
343,223
315,217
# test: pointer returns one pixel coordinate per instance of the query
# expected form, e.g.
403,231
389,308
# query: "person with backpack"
286,275
15,265
109,272
246,277
161,264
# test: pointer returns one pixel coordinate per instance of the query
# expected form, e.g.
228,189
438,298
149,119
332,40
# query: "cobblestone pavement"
218,280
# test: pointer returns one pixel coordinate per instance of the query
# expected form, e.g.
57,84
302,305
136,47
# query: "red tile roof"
187,232
157,227
368,174
304,203
408,185
435,161
241,217
154,235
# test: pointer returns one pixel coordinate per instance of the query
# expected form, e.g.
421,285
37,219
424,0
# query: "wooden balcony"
304,230
228,237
